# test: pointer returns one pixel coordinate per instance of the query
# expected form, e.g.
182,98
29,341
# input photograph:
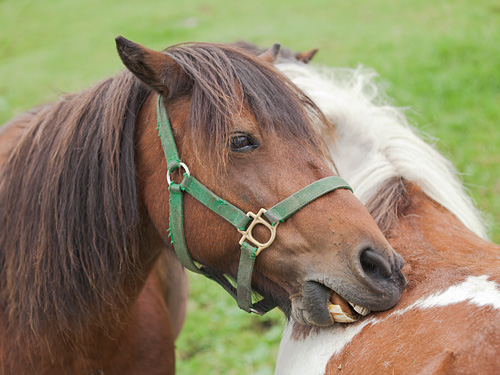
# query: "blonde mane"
374,142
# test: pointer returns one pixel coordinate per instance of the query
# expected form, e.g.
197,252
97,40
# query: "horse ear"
271,55
153,68
305,57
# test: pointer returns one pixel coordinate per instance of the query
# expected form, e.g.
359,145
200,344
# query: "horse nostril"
374,264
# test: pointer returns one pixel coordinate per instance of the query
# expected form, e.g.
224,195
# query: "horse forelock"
223,79
69,215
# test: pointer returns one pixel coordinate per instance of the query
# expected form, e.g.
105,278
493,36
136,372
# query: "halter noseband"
250,247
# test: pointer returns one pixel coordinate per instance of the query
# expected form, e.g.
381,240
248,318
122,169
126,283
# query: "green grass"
439,58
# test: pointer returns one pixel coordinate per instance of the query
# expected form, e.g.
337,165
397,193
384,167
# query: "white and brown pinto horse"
448,319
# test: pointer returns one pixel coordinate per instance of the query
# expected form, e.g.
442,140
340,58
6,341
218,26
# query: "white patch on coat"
476,290
311,355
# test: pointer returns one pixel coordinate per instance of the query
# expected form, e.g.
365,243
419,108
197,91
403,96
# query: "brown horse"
448,318
89,282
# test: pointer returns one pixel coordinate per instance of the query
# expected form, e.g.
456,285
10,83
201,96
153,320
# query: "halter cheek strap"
243,222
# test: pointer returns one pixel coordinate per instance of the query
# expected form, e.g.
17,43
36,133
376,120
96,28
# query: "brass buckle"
247,234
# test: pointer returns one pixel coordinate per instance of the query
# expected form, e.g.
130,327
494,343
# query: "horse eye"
241,142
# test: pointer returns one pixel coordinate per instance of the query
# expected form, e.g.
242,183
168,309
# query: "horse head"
246,134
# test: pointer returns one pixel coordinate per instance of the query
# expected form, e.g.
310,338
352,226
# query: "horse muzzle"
374,283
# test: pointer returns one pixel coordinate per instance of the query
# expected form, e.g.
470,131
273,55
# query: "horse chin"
311,306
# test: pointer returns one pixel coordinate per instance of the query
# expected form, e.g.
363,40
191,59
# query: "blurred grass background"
441,59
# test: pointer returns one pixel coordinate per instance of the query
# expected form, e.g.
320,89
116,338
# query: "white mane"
374,142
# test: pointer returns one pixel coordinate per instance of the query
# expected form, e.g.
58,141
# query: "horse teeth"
335,309
363,311
343,319
338,315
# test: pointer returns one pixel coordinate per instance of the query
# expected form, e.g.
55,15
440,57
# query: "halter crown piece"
250,247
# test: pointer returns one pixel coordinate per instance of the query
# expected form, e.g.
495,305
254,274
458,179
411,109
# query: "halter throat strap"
243,222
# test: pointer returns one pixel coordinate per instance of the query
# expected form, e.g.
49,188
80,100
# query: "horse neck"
438,248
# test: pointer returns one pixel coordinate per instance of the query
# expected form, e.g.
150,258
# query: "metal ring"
257,312
181,165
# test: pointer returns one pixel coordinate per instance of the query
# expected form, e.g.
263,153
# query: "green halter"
250,247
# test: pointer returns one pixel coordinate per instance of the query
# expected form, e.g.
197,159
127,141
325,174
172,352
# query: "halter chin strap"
250,247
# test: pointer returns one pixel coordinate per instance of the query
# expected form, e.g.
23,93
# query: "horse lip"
310,307
321,305
390,293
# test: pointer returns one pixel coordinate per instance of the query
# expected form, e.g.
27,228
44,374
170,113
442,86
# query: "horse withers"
89,282
448,318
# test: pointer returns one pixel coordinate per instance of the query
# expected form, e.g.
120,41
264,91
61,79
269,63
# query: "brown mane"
67,238
69,213
388,202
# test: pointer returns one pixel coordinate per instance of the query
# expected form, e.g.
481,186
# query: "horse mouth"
321,305
343,311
